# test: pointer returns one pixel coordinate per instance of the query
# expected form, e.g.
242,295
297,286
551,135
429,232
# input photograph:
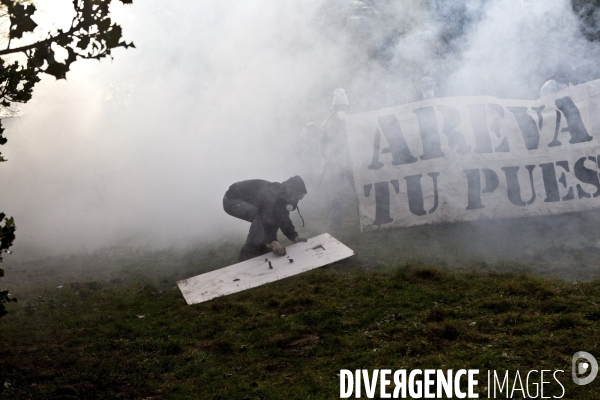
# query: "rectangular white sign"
467,158
301,257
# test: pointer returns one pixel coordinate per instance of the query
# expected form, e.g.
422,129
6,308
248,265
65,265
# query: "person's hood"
293,187
339,97
428,82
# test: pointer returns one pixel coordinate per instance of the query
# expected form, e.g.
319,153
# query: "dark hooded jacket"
271,199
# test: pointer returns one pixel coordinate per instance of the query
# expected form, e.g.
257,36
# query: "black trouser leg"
254,245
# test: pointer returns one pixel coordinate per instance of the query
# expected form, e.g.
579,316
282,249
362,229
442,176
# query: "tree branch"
22,49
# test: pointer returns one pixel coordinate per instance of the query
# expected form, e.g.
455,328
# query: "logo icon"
584,363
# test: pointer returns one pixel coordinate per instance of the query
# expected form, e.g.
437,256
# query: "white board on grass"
316,252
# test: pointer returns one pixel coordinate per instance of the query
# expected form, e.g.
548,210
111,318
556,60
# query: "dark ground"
513,294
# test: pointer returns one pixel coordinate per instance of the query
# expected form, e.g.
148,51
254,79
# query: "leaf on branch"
57,70
63,39
7,233
41,54
127,45
36,59
20,18
72,56
5,298
113,36
83,42
104,24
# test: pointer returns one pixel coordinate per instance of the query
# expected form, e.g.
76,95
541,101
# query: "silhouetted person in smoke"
334,148
267,206
307,149
428,88
558,81
425,89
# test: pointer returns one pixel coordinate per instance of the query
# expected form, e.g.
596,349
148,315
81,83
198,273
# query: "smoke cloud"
141,149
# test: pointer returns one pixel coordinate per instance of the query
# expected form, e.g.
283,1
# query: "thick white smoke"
141,149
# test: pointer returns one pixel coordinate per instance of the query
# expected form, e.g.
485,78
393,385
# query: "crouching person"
267,206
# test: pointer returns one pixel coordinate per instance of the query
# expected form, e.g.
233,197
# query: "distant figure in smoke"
428,88
267,206
557,82
307,136
307,148
334,148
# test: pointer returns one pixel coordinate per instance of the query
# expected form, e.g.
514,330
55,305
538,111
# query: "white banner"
467,158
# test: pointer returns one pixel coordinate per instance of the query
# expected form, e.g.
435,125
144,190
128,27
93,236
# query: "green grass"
289,339
119,328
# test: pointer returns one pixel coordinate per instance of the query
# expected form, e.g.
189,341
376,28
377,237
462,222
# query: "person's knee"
254,215
240,209
248,211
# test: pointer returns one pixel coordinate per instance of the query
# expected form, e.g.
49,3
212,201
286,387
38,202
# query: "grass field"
118,326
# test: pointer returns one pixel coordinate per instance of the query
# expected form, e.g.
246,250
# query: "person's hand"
278,249
300,239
